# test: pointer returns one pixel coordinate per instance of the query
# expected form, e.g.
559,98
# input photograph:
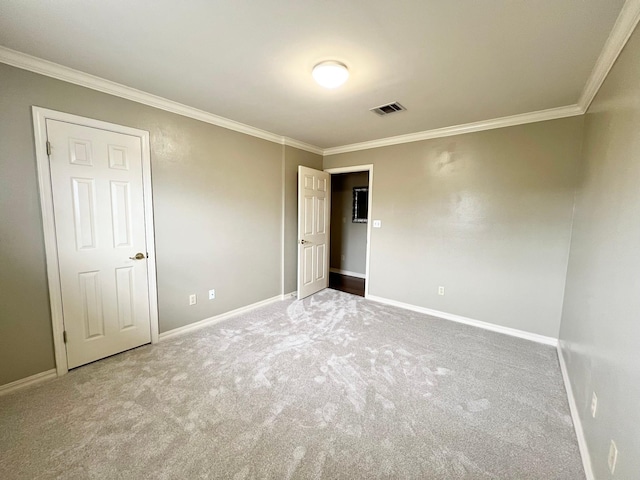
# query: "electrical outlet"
212,294
613,457
377,224
193,299
594,404
441,290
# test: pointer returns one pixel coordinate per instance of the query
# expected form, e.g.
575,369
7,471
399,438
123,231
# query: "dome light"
330,74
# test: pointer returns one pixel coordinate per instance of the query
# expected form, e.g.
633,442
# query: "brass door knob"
139,256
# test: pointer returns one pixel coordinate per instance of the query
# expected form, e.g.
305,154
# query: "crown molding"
622,30
539,116
291,142
60,72
625,24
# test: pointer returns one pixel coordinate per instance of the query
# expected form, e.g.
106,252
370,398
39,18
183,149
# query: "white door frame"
354,169
40,115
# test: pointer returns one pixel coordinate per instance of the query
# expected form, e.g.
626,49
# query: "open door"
314,202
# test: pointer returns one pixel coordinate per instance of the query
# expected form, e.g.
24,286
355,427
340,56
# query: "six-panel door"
314,200
96,178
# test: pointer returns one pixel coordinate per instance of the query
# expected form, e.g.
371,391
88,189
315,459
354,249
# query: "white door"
314,201
96,180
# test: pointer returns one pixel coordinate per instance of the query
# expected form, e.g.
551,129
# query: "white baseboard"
577,423
534,337
27,382
218,318
293,294
347,272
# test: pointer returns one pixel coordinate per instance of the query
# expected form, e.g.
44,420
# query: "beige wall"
348,239
218,215
487,215
600,331
293,157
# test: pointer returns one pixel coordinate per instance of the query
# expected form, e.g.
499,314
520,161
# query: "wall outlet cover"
212,294
193,299
377,223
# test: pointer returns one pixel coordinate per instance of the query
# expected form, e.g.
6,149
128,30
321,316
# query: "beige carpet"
334,386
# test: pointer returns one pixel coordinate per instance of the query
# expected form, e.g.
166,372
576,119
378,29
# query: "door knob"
303,241
139,256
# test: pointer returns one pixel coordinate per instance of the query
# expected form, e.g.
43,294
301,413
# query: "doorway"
350,229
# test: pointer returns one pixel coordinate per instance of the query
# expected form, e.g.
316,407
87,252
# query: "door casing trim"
355,169
40,115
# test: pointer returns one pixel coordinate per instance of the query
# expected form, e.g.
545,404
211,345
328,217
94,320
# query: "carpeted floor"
331,387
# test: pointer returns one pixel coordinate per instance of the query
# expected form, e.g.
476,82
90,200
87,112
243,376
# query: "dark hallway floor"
346,283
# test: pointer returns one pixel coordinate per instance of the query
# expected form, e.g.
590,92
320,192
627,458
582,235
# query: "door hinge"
64,336
48,147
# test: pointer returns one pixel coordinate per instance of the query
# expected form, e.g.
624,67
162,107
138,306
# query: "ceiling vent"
388,108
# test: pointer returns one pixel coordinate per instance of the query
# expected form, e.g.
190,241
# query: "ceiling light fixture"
330,74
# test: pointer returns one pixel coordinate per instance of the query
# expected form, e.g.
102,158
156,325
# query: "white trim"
522,118
369,223
513,332
575,416
28,381
351,169
291,142
362,168
286,296
217,318
40,115
50,246
60,72
622,30
147,196
348,273
283,217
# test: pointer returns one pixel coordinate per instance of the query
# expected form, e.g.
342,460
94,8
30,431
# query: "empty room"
320,239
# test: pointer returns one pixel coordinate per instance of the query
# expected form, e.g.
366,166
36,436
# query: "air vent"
388,108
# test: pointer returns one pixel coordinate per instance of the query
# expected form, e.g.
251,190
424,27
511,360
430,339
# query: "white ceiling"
449,62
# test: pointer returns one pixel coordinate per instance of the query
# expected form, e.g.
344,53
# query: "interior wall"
348,239
487,215
293,157
600,331
218,215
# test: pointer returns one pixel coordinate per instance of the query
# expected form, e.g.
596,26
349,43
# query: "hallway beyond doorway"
346,283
